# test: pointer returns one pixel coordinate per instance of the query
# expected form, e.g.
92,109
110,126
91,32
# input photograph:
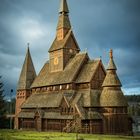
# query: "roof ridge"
93,60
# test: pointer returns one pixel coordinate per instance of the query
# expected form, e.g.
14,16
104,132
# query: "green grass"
31,135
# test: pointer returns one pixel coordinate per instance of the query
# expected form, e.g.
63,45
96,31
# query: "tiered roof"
112,94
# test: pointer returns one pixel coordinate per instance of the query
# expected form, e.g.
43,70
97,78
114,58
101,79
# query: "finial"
63,7
28,44
111,53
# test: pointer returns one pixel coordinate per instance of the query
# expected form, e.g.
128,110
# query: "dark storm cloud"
98,26
113,24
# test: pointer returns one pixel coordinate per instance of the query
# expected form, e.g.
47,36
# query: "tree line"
133,98
6,107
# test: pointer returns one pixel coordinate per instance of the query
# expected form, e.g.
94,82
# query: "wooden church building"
71,92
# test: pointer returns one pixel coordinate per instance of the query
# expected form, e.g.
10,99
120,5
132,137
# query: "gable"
60,44
71,43
98,77
88,71
99,72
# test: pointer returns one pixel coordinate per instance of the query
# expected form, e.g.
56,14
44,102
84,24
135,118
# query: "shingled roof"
111,79
112,97
68,75
28,73
46,115
56,115
61,44
88,71
63,22
41,100
26,114
90,98
112,94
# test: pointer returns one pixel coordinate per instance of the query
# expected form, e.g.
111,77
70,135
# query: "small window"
60,87
67,86
72,110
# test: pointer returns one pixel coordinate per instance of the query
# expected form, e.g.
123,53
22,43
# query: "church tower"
65,45
27,77
113,102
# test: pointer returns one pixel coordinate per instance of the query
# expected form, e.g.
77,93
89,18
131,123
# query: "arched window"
72,110
69,110
67,86
60,87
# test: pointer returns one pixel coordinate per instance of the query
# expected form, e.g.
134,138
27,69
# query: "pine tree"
2,105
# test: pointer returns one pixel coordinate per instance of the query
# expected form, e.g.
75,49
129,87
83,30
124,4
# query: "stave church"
71,93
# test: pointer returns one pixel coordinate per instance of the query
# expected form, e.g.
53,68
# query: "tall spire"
28,73
63,25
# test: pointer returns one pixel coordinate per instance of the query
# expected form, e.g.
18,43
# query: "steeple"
112,94
64,46
63,25
28,73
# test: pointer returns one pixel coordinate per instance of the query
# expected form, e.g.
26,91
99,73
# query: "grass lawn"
31,135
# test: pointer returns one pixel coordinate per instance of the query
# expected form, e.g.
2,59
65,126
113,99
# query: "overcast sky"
97,24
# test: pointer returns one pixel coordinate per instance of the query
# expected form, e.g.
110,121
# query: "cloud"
98,26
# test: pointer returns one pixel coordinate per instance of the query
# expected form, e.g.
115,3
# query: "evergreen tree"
2,105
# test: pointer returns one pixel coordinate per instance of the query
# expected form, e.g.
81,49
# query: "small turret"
112,94
113,102
111,79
